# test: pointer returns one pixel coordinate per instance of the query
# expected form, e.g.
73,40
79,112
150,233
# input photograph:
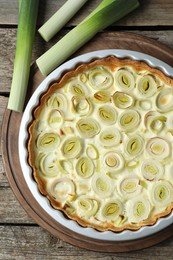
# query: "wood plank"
7,49
150,13
15,175
10,209
19,242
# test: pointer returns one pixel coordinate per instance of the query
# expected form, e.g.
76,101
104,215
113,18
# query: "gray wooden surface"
20,237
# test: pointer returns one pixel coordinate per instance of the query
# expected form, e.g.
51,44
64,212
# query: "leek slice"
102,96
164,100
129,120
129,186
84,167
138,209
132,164
162,193
158,148
71,147
24,43
60,18
47,141
107,114
87,206
108,12
152,170
76,88
55,118
155,122
57,101
114,161
112,209
65,166
88,127
110,137
147,86
92,152
122,100
48,164
100,78
124,79
81,105
62,189
102,185
134,146
144,104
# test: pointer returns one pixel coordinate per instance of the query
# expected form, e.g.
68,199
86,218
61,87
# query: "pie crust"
100,144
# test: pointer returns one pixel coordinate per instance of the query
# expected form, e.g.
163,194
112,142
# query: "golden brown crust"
113,63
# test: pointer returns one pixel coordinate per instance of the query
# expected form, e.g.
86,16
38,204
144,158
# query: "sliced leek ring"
48,164
84,167
62,189
87,206
132,164
138,209
101,96
72,147
102,185
65,166
129,120
158,148
134,146
124,79
107,114
122,100
147,86
114,161
47,141
129,186
92,152
100,78
55,118
88,127
162,193
144,104
83,77
164,100
152,169
110,137
57,101
112,209
155,122
81,105
76,88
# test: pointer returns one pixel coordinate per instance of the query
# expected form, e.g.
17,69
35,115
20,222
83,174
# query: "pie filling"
101,141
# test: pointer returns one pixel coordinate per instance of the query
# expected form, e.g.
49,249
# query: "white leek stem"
81,34
25,38
60,18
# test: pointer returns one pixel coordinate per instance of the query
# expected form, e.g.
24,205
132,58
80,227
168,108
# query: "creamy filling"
100,142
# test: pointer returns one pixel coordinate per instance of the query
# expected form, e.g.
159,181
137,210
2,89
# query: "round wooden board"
9,143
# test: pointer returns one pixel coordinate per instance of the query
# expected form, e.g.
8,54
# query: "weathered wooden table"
20,236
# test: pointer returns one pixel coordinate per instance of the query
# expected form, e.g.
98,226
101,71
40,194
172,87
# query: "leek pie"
101,141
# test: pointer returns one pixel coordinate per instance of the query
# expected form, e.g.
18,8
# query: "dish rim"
126,235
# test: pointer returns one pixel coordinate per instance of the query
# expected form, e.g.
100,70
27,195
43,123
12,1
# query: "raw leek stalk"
60,18
110,12
25,38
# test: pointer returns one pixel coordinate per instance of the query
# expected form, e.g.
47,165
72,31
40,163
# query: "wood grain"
28,242
20,237
10,131
150,13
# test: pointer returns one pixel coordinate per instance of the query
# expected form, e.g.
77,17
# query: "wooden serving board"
9,143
